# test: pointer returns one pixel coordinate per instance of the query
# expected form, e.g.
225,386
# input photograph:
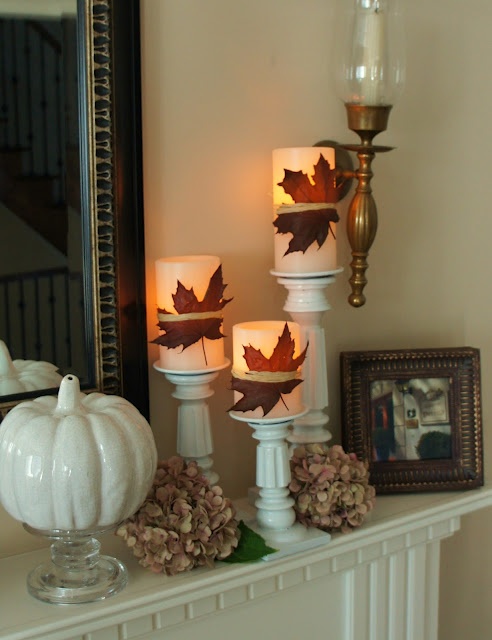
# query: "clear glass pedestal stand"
306,303
194,432
274,517
77,573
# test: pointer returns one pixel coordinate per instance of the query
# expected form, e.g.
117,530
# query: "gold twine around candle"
299,207
197,315
266,376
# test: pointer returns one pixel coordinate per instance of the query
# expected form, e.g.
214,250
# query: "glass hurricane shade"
264,336
370,47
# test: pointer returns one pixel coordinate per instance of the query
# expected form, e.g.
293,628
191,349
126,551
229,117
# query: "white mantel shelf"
378,582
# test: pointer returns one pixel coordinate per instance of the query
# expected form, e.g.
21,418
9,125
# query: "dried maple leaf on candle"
186,332
306,227
310,225
267,394
323,188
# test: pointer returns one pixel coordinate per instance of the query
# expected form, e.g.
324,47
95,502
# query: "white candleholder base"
275,518
194,432
294,540
306,303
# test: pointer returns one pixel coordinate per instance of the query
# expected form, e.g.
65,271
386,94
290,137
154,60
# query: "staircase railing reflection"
42,317
39,122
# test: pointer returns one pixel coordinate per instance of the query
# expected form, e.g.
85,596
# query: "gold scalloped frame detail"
101,196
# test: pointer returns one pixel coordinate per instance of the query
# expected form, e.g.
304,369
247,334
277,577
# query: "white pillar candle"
264,336
193,272
315,259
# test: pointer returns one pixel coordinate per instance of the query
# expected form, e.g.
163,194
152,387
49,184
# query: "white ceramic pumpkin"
19,376
75,461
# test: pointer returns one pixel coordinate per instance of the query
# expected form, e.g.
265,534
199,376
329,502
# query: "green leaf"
251,546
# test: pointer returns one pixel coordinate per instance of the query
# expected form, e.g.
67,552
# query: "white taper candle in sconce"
267,337
369,36
318,166
193,272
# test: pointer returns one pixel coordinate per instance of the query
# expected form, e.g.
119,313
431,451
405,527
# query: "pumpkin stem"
69,396
7,368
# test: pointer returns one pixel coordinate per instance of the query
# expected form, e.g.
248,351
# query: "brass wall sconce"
362,217
371,75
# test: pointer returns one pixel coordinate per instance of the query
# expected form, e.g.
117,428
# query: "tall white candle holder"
194,432
275,518
306,303
306,187
190,303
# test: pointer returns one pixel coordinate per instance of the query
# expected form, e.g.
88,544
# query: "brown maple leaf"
323,188
267,394
189,331
306,228
310,225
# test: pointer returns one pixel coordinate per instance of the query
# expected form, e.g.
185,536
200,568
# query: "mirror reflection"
41,284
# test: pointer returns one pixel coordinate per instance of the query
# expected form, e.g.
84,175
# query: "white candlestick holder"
275,518
306,303
194,432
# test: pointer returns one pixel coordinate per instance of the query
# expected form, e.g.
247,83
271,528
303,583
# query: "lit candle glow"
265,337
370,39
314,258
193,273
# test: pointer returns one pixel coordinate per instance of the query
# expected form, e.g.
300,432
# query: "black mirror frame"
114,177
112,200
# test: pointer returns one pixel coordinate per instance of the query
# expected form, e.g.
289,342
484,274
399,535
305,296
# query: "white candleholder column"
306,303
275,506
275,516
194,432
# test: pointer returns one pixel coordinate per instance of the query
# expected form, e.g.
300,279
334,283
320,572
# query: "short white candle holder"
194,432
275,518
306,303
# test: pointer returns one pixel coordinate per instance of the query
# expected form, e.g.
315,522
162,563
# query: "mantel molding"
152,605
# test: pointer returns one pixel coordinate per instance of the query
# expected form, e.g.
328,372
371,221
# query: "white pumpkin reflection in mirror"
72,467
19,376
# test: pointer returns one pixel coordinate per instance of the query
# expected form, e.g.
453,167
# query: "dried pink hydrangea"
330,487
183,523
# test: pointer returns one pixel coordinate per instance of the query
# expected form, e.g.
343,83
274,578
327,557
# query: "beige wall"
33,9
224,84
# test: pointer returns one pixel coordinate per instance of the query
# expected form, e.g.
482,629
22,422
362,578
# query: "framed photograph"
415,415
